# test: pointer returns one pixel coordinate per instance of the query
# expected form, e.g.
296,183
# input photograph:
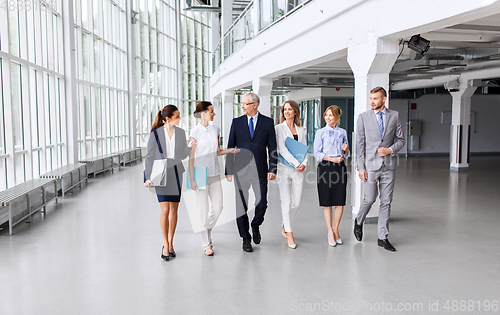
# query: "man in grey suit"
379,136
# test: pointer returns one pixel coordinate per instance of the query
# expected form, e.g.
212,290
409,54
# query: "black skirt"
332,183
171,192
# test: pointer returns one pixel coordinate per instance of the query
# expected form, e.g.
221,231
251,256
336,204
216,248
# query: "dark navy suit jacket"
262,146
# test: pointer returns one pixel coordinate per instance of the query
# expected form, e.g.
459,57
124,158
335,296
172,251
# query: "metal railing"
242,29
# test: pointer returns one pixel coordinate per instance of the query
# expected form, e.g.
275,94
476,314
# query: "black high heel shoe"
172,254
166,258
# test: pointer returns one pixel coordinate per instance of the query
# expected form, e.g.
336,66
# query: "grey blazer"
181,151
368,140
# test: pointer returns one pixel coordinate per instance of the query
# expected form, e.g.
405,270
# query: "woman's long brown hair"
296,109
167,111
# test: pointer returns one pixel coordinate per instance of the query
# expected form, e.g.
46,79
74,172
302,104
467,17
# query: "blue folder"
297,149
200,177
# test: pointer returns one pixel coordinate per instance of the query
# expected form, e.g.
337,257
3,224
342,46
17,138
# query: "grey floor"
97,252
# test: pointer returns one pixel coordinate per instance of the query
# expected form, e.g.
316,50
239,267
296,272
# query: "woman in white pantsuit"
290,180
205,154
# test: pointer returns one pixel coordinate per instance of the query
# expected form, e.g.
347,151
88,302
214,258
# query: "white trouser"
290,184
209,214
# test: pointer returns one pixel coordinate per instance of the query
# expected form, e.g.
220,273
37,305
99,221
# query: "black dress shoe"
172,254
247,246
358,230
166,258
256,236
386,245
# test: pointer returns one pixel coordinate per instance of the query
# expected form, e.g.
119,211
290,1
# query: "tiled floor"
98,252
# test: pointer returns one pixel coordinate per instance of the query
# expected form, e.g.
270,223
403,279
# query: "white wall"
435,136
312,93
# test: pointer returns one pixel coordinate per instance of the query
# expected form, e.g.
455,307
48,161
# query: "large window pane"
3,174
85,55
14,32
87,111
48,109
36,163
97,61
85,17
20,168
35,135
59,105
2,127
17,106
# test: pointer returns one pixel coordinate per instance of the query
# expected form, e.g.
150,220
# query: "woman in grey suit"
167,141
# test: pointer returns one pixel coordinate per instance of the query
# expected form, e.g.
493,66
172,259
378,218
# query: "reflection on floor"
98,252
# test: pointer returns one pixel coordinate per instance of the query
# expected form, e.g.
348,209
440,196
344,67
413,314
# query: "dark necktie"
251,127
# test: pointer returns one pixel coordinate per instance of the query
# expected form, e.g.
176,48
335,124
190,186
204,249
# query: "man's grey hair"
253,97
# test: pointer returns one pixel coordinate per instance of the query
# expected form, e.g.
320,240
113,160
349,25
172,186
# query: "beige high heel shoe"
209,251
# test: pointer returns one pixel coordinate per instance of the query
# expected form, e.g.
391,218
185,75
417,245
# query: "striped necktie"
380,121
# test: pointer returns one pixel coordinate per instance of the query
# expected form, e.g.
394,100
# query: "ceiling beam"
440,80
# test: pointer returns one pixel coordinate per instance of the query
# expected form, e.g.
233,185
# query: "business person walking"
252,133
167,141
205,154
379,136
290,180
330,150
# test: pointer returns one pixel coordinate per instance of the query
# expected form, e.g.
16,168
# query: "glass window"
85,56
14,32
45,52
20,168
59,105
97,61
85,17
87,107
35,135
98,112
2,127
48,110
3,174
97,8
57,42
17,107
36,163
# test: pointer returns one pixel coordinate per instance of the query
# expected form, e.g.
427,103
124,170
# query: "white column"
216,103
262,87
371,59
227,114
227,15
70,81
460,126
215,28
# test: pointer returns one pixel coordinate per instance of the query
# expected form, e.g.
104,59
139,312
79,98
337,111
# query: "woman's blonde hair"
336,112
295,108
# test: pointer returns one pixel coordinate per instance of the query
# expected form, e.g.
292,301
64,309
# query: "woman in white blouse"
205,154
290,180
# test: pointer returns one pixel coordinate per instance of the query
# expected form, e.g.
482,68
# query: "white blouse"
170,144
206,148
